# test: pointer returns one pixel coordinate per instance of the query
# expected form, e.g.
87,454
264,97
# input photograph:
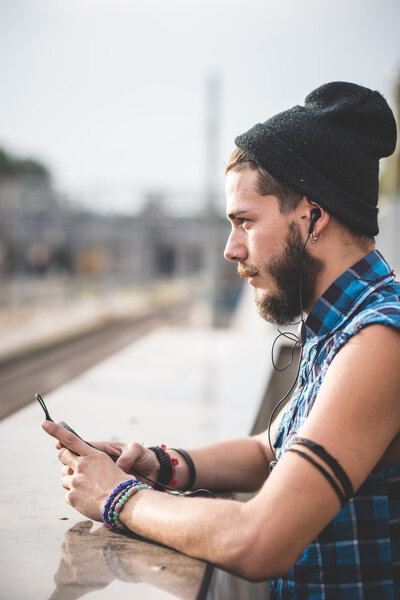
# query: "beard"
282,305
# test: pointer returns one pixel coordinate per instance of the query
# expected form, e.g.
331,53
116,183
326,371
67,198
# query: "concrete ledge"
176,386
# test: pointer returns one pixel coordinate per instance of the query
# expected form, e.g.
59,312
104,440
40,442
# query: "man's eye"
242,221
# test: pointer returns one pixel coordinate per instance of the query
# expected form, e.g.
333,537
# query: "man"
301,197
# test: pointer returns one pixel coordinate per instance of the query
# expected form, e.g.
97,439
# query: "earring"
315,238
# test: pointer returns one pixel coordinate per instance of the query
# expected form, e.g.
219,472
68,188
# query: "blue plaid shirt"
357,556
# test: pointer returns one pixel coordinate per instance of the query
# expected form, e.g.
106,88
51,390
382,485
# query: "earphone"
315,215
300,338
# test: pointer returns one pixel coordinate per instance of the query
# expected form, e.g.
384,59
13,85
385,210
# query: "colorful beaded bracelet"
117,499
115,492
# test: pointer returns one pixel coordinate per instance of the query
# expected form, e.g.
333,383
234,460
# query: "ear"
319,224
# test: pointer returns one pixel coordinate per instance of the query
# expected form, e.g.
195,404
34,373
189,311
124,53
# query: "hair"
267,185
288,199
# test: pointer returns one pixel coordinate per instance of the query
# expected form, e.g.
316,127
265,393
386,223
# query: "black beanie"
329,150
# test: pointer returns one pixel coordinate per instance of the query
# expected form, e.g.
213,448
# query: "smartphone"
39,398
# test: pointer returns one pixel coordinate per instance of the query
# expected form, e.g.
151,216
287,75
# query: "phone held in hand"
39,398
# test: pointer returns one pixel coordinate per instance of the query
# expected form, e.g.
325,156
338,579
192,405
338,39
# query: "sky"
111,94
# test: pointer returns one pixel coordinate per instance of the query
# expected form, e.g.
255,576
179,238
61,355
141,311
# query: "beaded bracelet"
119,502
116,501
114,493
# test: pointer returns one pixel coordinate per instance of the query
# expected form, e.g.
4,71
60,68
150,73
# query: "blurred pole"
212,175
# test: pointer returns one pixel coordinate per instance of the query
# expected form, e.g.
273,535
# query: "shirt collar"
347,293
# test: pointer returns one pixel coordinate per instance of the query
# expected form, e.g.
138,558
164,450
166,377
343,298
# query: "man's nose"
234,251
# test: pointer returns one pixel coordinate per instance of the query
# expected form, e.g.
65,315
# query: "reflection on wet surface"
91,558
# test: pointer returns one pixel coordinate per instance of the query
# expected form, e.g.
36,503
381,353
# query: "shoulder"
383,311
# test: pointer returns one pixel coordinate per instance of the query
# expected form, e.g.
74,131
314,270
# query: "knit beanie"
329,150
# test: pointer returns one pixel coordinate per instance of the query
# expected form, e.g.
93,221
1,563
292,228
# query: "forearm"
237,464
204,528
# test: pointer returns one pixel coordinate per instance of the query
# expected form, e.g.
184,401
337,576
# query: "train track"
48,367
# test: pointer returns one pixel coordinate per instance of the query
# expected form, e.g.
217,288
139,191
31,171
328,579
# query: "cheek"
261,246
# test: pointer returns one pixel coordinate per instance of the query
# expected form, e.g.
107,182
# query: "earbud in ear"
315,215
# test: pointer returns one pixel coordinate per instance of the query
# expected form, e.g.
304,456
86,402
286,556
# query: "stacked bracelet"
343,494
166,474
116,500
324,455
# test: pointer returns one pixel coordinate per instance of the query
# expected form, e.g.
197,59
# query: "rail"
46,367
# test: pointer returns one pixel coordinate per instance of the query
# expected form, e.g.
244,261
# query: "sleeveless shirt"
357,556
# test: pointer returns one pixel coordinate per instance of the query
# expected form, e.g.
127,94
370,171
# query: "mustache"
246,270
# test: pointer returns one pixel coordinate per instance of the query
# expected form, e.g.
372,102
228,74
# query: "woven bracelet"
190,464
166,472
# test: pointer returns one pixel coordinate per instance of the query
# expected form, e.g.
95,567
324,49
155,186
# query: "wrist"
167,465
187,470
117,499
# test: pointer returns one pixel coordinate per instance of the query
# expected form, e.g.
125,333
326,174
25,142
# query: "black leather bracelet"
166,472
324,455
324,472
190,464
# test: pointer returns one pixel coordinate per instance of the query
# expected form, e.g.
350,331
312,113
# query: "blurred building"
44,236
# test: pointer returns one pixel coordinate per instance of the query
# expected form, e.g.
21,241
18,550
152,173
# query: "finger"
129,455
66,482
66,470
67,439
67,458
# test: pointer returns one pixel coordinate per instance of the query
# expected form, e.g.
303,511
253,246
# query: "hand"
89,475
133,458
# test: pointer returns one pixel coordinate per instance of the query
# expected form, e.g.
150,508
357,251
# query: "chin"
260,292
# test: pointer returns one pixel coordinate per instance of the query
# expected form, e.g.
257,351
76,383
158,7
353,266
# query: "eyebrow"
235,215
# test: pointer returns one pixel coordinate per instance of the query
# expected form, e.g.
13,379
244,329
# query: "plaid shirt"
357,556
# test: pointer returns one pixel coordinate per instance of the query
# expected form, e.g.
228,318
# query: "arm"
357,414
238,464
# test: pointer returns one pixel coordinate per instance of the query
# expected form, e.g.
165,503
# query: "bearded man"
302,191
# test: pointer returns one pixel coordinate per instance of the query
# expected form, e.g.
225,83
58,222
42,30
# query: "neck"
337,258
